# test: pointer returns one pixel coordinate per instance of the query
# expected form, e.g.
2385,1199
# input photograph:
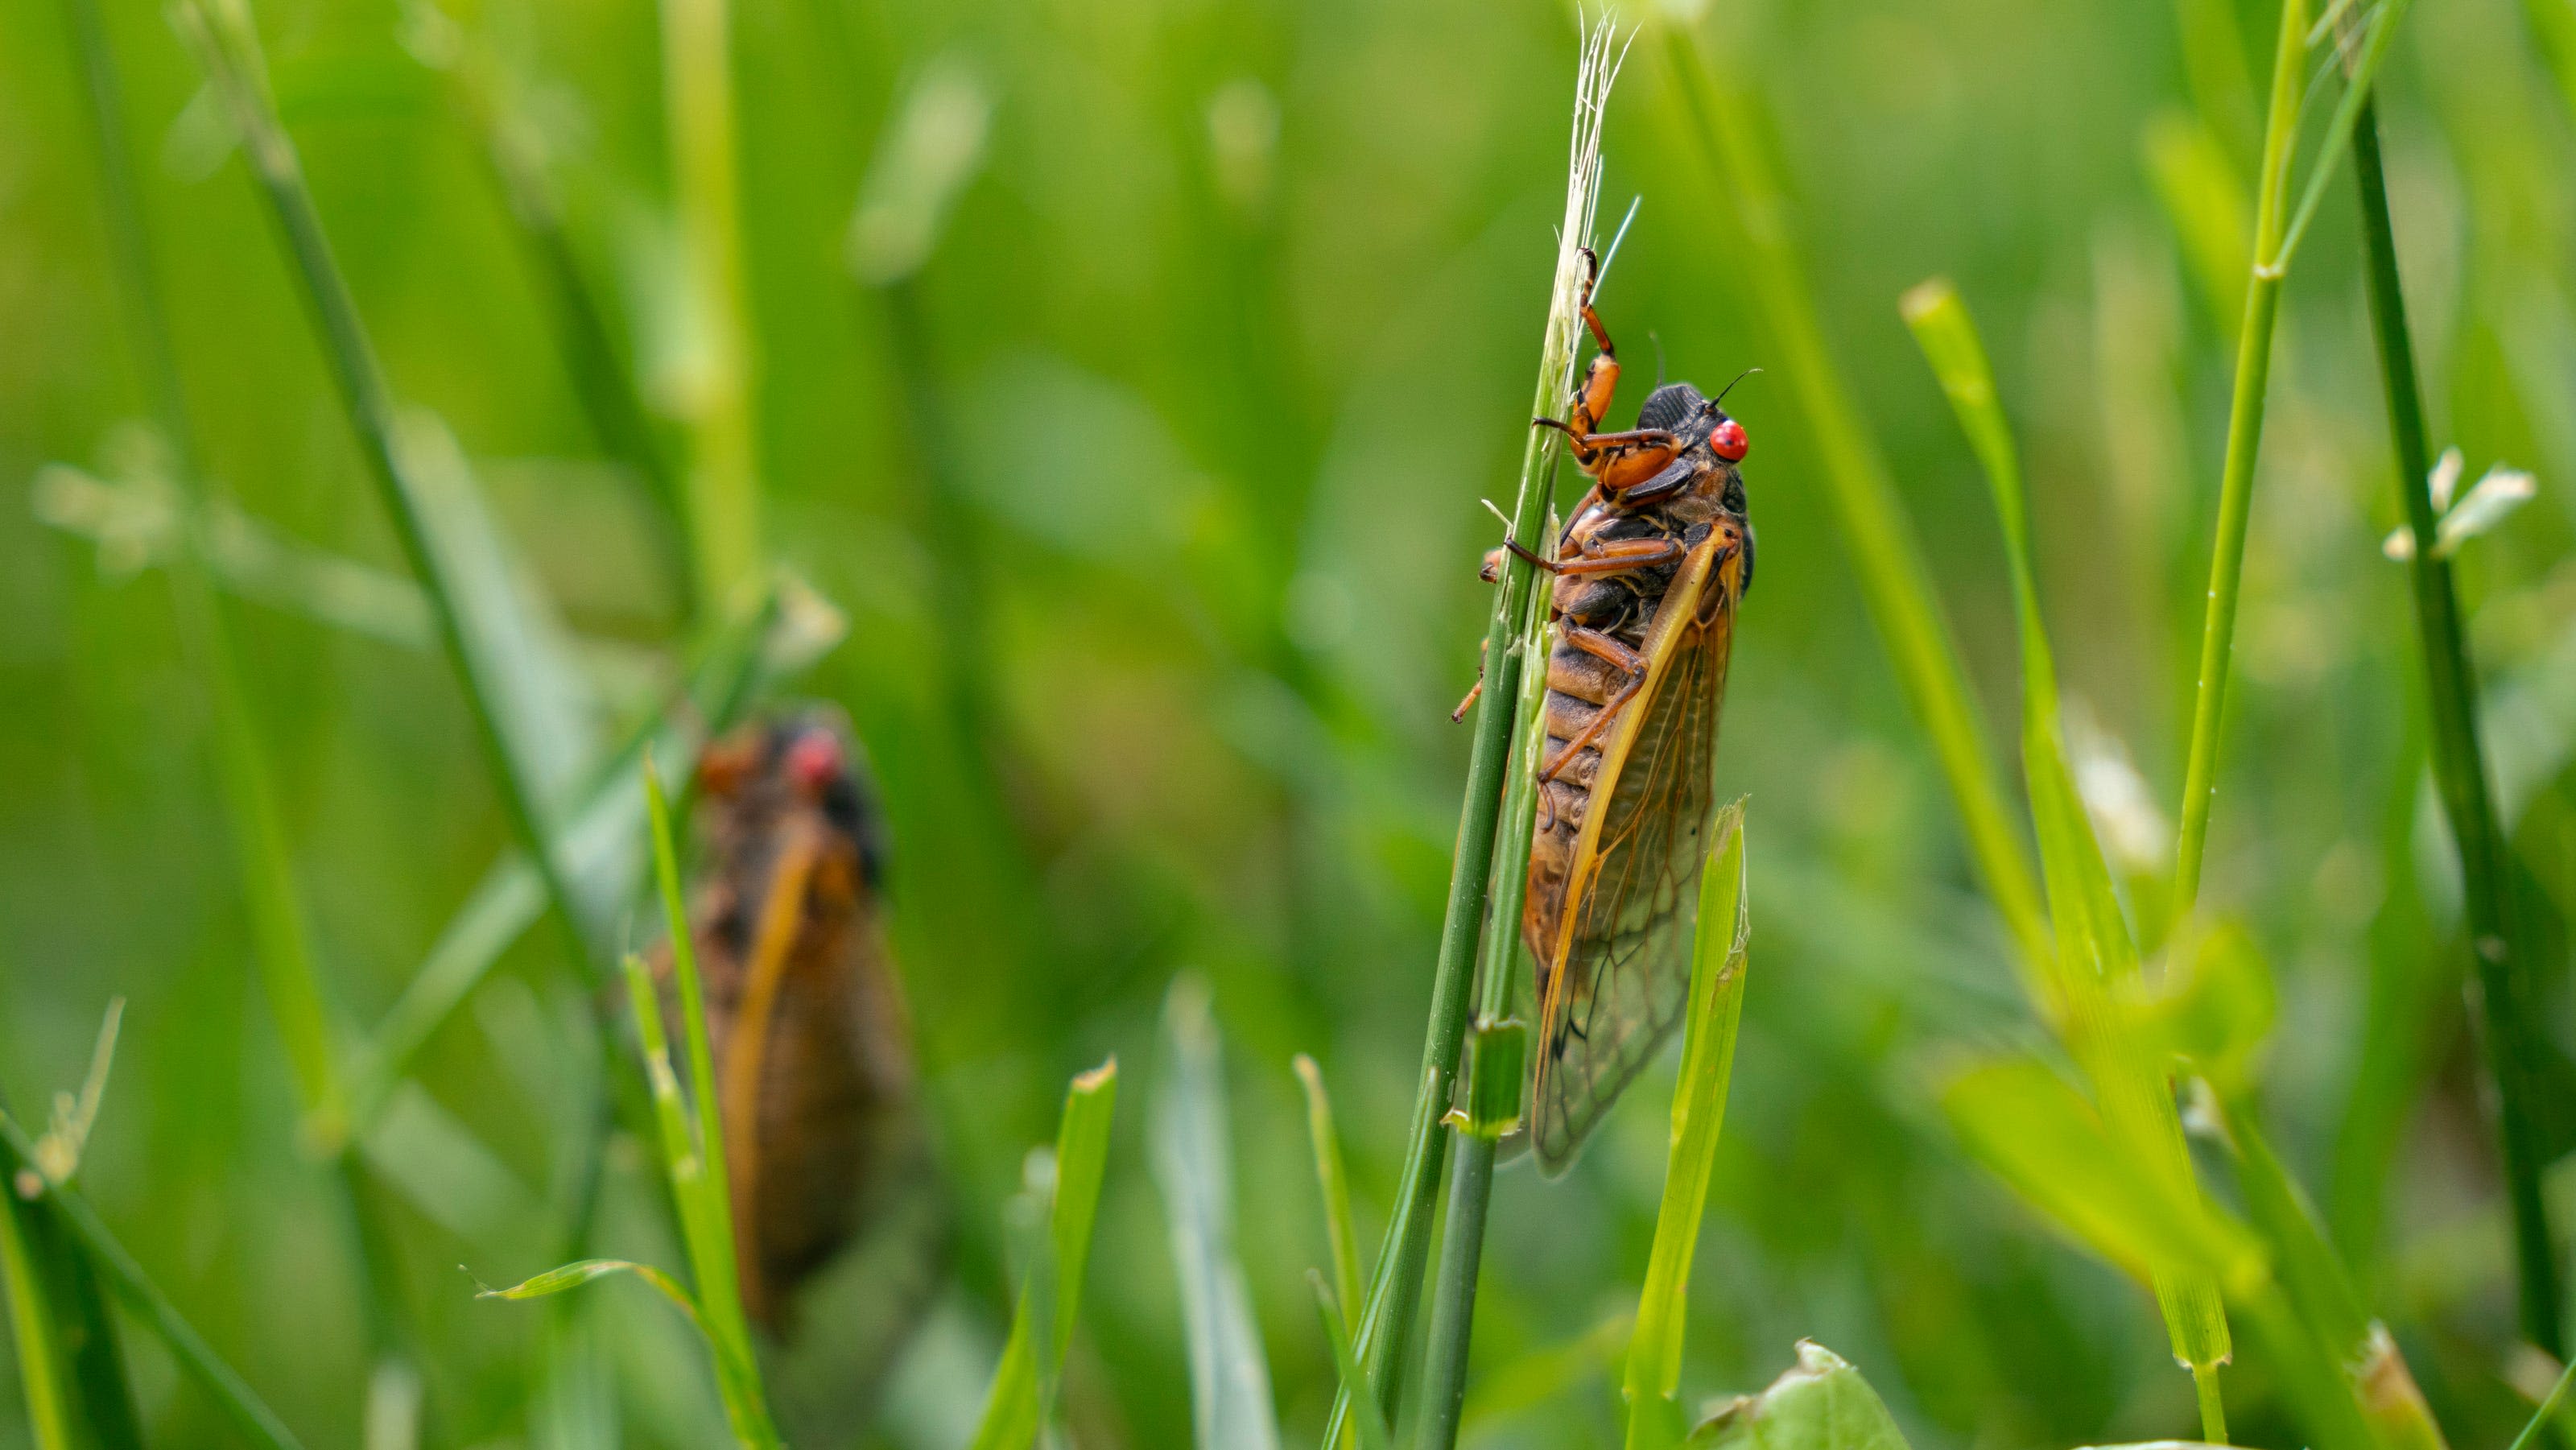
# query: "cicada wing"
1620,975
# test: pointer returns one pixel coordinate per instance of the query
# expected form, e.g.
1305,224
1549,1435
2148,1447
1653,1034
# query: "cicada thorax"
805,1014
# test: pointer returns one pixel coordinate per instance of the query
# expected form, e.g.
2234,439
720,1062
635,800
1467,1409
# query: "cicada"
805,1015
1646,578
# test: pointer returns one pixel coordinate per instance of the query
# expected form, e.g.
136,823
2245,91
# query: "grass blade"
1021,1397
228,48
1334,1185
2502,1004
35,1329
250,1414
573,1276
692,1159
1699,1108
1718,115
1193,1165
2549,1408
1370,1424
2319,1290
2094,949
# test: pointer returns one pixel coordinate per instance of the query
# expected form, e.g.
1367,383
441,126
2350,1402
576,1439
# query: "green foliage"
1022,1397
1194,1166
1821,1403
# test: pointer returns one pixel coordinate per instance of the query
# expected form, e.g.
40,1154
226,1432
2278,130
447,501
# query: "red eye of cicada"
1727,441
814,762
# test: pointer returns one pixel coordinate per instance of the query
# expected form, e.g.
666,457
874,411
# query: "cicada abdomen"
805,1013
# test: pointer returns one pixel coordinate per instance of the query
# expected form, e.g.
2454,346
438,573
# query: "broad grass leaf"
1821,1403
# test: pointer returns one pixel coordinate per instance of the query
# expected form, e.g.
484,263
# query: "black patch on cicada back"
1676,408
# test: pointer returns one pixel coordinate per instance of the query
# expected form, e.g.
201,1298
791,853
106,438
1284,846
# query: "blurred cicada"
813,1055
1647,576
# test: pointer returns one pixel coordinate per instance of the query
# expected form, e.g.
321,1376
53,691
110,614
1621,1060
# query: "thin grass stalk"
92,1360
228,47
1395,1286
723,482
250,1415
698,1193
2499,999
33,1328
1719,117
2244,442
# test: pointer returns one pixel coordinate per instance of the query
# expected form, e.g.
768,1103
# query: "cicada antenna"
1730,386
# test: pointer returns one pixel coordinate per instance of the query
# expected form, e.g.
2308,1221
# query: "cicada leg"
1600,646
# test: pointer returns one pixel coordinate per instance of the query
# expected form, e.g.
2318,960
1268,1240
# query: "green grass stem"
2501,1002
2276,241
1719,116
1371,1426
1718,966
723,481
1395,1285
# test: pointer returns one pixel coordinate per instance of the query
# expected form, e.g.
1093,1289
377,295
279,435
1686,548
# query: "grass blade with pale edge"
249,1414
698,1190
1193,1165
712,1256
1023,1383
93,1358
1395,1284
2503,1002
713,384
573,1276
2095,954
1821,1403
42,1372
1333,1184
228,47
1719,115
1371,1426
1718,964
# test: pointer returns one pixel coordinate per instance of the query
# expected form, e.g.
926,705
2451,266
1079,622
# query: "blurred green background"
1150,494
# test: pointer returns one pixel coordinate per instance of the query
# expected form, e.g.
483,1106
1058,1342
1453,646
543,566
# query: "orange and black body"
1646,578
812,1044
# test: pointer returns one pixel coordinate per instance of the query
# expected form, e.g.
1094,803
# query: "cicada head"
758,776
